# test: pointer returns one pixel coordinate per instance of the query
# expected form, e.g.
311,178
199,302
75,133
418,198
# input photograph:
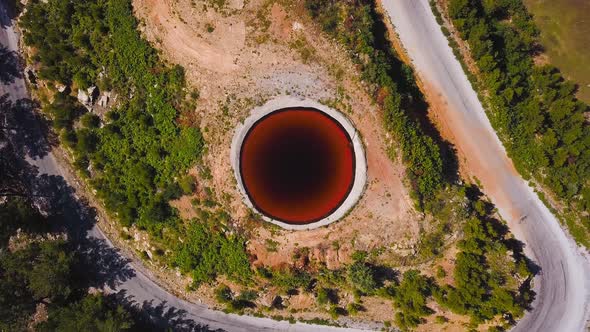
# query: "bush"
354,308
361,277
391,84
223,294
187,184
322,296
410,299
90,120
206,253
289,280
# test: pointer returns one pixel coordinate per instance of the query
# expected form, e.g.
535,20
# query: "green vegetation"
490,267
92,313
137,159
534,108
392,86
224,295
484,278
361,277
491,275
565,38
43,273
140,149
410,299
206,253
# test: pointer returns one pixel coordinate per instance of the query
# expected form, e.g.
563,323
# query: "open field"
565,35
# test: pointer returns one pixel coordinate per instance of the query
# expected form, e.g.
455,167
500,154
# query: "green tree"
410,298
51,275
92,313
361,277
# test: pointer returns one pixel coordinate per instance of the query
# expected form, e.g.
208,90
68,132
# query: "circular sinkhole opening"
298,163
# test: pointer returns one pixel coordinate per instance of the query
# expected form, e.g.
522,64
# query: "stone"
60,87
92,93
83,97
103,101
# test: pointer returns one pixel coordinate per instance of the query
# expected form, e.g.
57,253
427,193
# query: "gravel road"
563,283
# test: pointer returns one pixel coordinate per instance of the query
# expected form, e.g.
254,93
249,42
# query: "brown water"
297,165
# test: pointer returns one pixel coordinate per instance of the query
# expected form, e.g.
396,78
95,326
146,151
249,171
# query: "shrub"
90,120
361,277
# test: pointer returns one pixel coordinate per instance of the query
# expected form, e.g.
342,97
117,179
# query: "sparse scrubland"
137,157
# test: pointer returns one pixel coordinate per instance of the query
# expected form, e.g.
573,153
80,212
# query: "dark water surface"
297,165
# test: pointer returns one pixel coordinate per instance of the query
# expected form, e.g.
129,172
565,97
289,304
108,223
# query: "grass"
565,31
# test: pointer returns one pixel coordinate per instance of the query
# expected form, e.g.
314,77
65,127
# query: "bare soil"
242,55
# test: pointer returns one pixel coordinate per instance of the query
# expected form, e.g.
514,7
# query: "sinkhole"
298,163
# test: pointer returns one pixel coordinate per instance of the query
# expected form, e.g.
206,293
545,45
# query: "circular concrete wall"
280,104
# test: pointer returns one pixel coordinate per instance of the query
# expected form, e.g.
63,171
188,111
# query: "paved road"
563,285
126,277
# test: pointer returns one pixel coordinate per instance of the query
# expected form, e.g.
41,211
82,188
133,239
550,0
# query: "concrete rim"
360,172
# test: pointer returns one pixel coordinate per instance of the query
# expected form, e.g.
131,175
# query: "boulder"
60,87
104,99
92,93
83,97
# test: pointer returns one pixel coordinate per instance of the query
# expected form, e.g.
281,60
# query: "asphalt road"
562,286
120,274
563,283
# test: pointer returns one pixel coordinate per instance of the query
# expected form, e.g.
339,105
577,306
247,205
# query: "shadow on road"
9,10
161,315
26,134
10,65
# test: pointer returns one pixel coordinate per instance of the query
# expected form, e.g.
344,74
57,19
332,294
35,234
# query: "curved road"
136,286
563,284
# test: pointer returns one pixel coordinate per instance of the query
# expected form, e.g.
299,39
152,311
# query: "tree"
90,120
50,276
410,298
361,277
92,313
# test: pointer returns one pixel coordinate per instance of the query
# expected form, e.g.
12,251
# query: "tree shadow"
25,143
25,136
9,10
158,316
10,65
104,264
384,273
29,132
